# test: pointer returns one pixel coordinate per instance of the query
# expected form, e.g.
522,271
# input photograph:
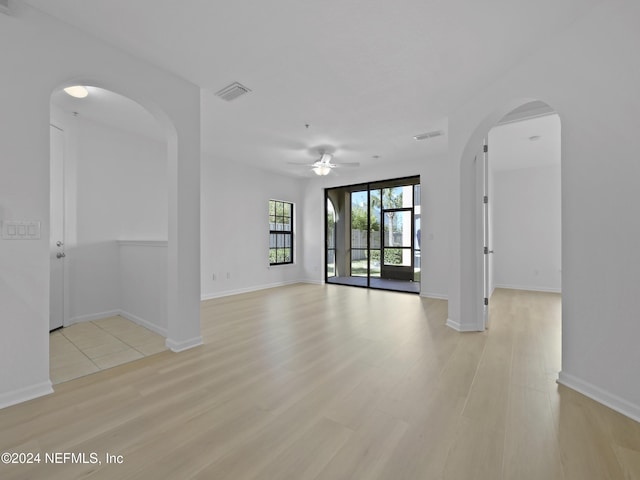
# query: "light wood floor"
330,383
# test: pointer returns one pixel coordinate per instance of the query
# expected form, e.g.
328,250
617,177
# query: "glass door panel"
359,233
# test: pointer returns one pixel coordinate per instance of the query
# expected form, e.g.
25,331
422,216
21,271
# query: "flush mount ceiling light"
77,91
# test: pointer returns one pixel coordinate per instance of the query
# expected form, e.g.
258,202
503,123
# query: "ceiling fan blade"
347,164
300,164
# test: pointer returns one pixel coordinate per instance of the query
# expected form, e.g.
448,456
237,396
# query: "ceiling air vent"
425,136
4,6
233,91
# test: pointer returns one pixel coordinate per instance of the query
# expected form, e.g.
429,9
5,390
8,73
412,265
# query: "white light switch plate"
20,230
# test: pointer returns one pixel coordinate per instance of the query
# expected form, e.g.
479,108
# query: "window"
280,232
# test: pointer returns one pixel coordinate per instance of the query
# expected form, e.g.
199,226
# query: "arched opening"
525,136
331,238
109,232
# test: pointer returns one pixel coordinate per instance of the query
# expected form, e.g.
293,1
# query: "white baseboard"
92,316
124,314
144,323
601,396
228,293
437,296
459,327
25,394
313,281
529,288
183,345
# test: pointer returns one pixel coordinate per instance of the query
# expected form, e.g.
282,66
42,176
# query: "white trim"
458,327
142,243
313,281
144,323
228,293
113,313
612,401
92,316
25,394
530,289
437,296
184,345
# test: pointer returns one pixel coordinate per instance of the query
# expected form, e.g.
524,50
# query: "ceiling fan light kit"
321,170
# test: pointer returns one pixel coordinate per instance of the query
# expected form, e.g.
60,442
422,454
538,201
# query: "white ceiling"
514,145
365,75
112,109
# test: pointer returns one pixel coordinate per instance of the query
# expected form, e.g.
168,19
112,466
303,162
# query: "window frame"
281,233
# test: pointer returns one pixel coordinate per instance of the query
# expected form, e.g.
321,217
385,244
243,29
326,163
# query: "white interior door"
56,232
482,236
486,264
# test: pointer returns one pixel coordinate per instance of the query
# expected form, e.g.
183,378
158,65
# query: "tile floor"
88,347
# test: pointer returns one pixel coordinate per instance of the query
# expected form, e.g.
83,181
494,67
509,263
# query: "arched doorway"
109,229
476,244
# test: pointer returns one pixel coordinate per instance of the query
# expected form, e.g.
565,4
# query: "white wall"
593,94
116,184
526,228
142,270
434,179
46,54
235,228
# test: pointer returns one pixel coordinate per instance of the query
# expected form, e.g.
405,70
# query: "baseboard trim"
183,345
143,323
437,296
92,316
461,328
228,293
612,401
313,281
529,288
25,394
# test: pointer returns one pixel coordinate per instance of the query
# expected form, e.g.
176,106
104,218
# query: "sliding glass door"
373,235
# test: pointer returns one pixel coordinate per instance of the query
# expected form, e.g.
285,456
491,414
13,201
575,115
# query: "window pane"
374,216
397,256
397,229
280,220
358,263
359,220
331,263
392,197
374,264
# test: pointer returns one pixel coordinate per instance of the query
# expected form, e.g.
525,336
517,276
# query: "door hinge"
486,148
486,250
486,301
485,199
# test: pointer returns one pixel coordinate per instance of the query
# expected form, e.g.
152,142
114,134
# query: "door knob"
59,243
60,255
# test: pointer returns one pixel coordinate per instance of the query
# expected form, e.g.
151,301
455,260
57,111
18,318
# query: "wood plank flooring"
329,383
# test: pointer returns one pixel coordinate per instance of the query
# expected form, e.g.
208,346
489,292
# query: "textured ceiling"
365,75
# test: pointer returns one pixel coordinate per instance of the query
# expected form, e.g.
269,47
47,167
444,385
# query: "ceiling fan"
324,165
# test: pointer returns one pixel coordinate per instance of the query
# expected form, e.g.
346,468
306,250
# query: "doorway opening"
372,233
518,205
108,235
